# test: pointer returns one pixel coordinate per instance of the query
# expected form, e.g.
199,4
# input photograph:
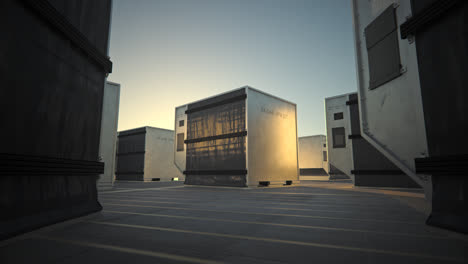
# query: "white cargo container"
337,117
351,153
411,61
390,103
313,158
108,137
242,138
146,154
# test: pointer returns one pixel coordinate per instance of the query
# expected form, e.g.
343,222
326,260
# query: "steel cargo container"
145,154
241,138
338,126
108,141
370,167
54,57
352,154
392,117
412,59
313,158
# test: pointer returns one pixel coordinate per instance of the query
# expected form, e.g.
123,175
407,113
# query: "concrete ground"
317,222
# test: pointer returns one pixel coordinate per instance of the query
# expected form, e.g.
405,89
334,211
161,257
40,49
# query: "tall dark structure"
53,65
440,29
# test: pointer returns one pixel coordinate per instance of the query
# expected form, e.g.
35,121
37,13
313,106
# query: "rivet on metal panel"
402,69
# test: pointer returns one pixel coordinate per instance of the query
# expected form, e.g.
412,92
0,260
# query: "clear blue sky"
168,53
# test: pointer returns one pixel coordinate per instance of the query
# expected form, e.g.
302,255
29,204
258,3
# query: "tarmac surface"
316,222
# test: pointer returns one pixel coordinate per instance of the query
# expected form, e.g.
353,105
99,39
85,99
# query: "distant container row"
248,138
240,138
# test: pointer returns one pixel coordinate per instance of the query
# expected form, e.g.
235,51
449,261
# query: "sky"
168,53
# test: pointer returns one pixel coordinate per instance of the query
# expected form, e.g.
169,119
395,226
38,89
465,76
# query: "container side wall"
442,46
325,163
272,137
370,167
392,117
131,155
338,117
107,147
311,156
180,134
159,164
51,100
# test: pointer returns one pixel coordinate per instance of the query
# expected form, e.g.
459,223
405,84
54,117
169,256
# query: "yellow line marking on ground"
142,189
370,190
263,207
194,195
286,225
301,209
275,214
346,188
395,193
281,241
365,206
216,187
131,250
314,194
266,191
251,190
141,201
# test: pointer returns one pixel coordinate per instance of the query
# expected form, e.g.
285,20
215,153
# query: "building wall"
108,141
341,158
391,114
159,162
271,139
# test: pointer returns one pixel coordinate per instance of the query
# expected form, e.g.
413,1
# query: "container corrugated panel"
207,122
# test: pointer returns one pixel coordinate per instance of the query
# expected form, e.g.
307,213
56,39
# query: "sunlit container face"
272,139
